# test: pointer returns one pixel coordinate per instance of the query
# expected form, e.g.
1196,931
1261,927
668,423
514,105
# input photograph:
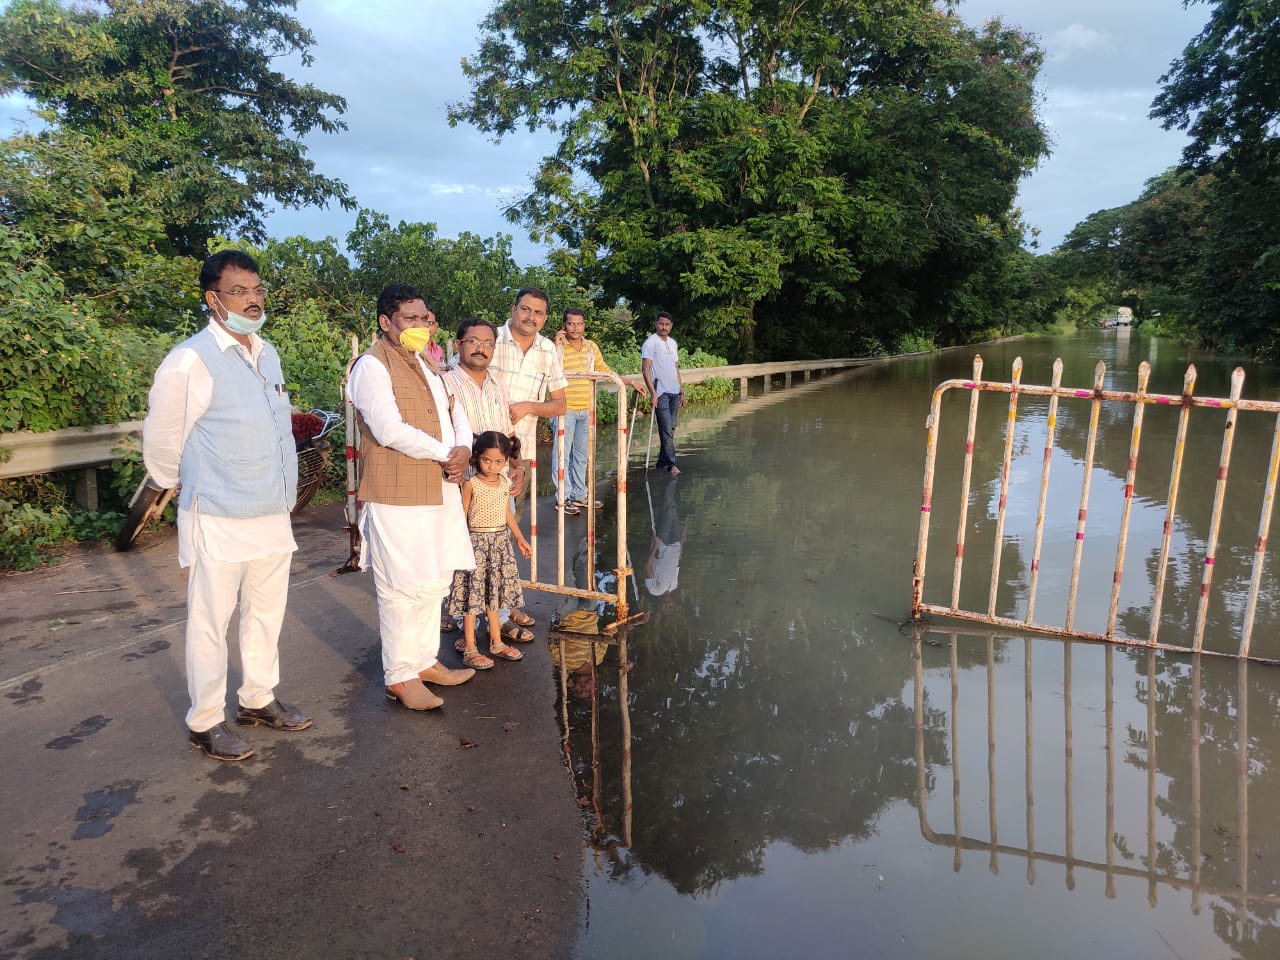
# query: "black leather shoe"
277,715
220,743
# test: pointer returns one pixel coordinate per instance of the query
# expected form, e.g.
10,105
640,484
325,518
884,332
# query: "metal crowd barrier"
623,568
1095,396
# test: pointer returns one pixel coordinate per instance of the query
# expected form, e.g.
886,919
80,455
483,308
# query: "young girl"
495,582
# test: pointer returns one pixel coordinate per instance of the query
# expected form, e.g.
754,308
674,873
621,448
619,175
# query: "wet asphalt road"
376,833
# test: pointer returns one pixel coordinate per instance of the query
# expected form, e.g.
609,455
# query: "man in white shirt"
661,365
219,423
415,443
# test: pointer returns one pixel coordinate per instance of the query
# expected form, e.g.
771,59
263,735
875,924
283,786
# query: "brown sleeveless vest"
387,475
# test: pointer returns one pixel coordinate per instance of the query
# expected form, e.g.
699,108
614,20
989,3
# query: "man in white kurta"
218,422
412,545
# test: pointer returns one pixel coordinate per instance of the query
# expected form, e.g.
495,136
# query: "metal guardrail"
66,449
27,453
745,372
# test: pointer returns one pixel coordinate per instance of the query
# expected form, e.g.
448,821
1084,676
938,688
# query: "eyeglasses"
241,292
405,319
474,343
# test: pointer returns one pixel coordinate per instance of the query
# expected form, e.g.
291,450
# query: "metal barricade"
1095,396
623,568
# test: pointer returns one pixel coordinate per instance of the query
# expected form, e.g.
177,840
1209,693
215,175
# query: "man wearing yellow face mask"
415,444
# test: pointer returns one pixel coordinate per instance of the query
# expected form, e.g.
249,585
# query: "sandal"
505,653
476,660
522,618
448,624
515,632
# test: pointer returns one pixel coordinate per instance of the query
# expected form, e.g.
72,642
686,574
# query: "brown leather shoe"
277,715
220,743
439,673
412,695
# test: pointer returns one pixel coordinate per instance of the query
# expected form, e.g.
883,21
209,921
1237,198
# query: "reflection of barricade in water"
1140,399
579,650
1253,888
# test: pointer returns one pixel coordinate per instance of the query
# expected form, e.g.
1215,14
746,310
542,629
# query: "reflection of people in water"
662,571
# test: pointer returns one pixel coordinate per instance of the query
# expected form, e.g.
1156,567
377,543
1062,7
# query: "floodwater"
776,765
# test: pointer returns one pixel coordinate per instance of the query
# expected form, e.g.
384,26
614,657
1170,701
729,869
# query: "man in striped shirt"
577,354
529,367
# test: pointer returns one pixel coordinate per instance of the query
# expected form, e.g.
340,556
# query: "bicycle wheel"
310,473
148,504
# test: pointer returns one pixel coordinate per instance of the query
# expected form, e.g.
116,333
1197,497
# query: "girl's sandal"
505,653
476,660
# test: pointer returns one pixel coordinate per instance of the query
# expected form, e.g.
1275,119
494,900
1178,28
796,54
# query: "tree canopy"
184,93
795,177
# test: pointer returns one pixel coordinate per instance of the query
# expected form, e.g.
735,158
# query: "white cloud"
1077,39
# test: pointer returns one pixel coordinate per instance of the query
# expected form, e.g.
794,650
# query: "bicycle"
309,431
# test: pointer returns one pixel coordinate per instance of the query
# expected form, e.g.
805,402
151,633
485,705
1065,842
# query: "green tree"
1225,92
792,177
185,94
469,275
90,215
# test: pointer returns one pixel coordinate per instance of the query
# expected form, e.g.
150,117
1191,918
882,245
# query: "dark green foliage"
1198,252
60,366
790,179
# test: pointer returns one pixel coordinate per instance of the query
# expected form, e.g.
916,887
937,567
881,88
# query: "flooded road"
774,765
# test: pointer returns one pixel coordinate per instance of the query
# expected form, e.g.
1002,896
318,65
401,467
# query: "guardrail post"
87,488
742,388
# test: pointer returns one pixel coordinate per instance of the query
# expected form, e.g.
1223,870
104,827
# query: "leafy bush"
25,529
60,366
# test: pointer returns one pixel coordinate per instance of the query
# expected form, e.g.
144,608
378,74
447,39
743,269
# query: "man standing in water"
219,423
415,444
661,365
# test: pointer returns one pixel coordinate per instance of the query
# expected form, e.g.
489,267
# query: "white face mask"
240,324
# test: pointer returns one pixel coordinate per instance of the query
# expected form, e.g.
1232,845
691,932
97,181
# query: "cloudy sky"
396,62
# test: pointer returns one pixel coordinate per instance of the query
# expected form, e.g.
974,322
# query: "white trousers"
409,622
261,588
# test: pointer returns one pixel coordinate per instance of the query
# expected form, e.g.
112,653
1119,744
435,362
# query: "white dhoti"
413,552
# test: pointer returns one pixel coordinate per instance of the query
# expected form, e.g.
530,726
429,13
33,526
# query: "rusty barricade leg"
1219,495
1051,428
1175,476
